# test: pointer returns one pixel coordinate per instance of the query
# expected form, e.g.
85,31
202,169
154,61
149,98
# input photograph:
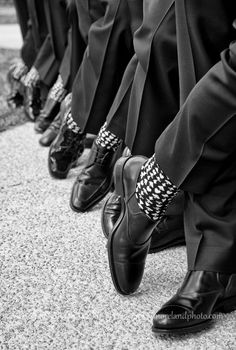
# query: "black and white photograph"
117,174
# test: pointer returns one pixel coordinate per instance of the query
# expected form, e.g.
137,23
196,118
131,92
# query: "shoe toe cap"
79,197
47,138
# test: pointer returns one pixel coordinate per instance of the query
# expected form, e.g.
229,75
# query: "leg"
151,196
207,111
95,179
156,97
210,284
108,37
70,64
22,15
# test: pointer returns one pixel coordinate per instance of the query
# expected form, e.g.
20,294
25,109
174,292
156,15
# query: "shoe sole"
118,175
60,175
226,306
185,330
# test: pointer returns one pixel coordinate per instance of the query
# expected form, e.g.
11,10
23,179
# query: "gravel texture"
55,286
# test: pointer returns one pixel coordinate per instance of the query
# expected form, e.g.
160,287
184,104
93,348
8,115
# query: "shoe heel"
118,173
227,305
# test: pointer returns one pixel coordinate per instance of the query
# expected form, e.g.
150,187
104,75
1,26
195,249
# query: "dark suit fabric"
176,44
110,48
34,30
75,48
198,151
52,51
22,15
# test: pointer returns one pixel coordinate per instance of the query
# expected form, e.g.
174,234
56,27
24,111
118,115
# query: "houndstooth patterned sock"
154,190
18,69
57,92
71,124
107,139
31,78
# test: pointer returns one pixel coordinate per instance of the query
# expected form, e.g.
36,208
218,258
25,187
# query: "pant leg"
163,74
198,152
36,31
201,136
109,51
22,15
75,48
38,22
117,117
210,224
52,51
173,55
58,26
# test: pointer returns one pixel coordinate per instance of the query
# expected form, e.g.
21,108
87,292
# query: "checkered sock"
31,78
107,139
154,190
71,124
57,92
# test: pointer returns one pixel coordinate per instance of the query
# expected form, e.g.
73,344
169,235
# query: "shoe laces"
71,142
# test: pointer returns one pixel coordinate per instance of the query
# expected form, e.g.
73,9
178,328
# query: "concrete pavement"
55,286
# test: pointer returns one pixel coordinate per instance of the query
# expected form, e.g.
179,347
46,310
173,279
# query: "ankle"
107,139
154,190
70,123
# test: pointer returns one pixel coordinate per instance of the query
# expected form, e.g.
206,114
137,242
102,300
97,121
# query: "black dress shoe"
64,152
32,102
50,134
47,115
110,213
15,98
129,242
95,180
169,233
202,294
41,123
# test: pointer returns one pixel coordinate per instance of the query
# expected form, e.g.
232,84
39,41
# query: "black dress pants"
52,51
22,15
198,152
110,48
75,48
175,46
33,25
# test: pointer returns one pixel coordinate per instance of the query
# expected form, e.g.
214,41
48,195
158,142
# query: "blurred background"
10,43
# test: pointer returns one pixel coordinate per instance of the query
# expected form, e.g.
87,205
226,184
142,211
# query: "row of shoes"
130,237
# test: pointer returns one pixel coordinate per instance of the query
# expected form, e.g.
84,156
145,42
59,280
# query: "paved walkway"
55,286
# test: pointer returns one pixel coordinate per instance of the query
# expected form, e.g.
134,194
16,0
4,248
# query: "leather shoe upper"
46,116
201,294
32,101
95,180
169,233
64,152
50,134
129,242
110,213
